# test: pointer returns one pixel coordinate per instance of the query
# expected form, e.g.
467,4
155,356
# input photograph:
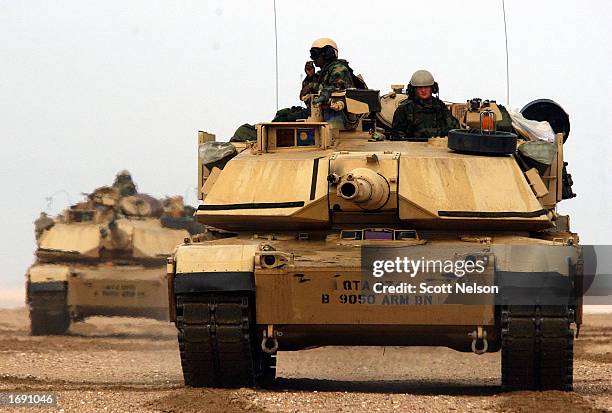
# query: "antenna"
276,52
507,65
51,198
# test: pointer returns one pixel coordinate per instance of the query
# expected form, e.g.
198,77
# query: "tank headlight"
268,261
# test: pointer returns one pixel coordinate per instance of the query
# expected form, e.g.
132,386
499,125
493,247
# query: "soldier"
124,184
311,83
335,73
42,223
422,115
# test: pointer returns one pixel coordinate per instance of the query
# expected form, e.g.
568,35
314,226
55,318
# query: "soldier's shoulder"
405,108
342,62
406,104
339,65
440,103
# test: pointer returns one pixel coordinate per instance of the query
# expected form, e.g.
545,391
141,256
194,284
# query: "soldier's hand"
319,100
322,98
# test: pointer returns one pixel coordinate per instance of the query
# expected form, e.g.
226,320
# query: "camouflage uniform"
311,83
334,76
421,120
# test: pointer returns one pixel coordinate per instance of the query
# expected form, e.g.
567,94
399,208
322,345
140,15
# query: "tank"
104,257
321,217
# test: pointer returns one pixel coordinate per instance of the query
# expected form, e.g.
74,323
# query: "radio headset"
410,89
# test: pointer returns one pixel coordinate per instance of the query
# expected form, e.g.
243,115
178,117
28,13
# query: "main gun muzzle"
365,187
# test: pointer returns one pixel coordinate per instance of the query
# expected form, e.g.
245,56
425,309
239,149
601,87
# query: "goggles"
315,52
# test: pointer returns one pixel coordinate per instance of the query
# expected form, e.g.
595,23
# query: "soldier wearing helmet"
422,115
335,73
124,184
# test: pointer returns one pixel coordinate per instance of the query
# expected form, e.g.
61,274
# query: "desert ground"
132,365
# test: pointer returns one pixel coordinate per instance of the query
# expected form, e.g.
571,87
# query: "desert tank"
314,205
104,256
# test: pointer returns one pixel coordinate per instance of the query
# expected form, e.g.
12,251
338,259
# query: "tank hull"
320,295
103,290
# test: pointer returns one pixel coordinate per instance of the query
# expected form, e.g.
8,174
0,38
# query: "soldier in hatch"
422,115
335,74
124,184
310,84
42,223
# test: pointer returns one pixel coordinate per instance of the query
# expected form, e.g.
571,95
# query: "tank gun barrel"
113,237
365,187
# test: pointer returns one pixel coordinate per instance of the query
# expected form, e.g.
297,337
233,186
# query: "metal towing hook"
269,343
480,345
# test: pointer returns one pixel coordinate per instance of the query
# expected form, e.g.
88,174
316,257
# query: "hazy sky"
88,88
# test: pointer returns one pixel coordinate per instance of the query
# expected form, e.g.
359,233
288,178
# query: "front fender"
215,258
205,267
46,277
44,273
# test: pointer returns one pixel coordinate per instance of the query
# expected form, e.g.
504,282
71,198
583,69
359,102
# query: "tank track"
48,313
537,348
218,342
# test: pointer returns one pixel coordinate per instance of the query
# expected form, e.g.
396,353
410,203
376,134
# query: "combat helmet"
324,43
124,184
422,78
